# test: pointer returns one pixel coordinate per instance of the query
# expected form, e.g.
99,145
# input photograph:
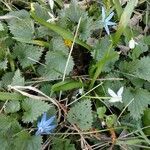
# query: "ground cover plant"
74,75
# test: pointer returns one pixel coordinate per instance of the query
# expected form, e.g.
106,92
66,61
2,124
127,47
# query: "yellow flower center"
68,42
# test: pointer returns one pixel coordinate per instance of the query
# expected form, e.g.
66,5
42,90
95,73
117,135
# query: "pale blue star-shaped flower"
106,20
45,126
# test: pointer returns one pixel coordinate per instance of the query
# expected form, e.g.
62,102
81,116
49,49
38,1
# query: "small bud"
132,43
103,124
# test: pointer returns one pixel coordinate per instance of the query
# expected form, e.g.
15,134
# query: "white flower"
52,19
132,43
115,97
81,91
51,4
103,124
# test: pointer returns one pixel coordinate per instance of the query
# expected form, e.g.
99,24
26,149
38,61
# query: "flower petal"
103,14
38,132
120,91
109,17
109,23
113,100
51,3
49,121
42,122
112,93
107,29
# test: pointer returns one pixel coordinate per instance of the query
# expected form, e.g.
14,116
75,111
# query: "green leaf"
27,142
41,11
66,85
7,79
8,124
12,106
46,88
54,68
101,49
59,45
4,143
27,54
118,7
138,68
1,26
61,31
146,40
111,120
5,123
86,28
3,64
10,127
81,115
139,104
101,112
17,79
21,26
74,12
124,20
3,56
139,49
33,109
4,96
105,60
62,144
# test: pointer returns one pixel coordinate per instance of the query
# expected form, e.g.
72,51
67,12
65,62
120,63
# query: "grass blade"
124,20
61,31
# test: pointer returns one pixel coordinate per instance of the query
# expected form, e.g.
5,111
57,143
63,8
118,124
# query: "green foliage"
62,144
124,20
104,63
34,53
3,51
5,123
24,53
139,104
4,96
41,11
1,27
54,69
138,50
74,12
61,31
146,121
86,28
81,115
7,79
59,45
27,142
3,64
66,85
33,109
111,120
101,112
103,48
9,127
137,68
17,79
12,106
21,25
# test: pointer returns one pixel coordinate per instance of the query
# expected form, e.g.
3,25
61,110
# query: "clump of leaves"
37,43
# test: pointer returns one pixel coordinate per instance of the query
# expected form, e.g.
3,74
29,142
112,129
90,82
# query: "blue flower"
45,126
106,20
